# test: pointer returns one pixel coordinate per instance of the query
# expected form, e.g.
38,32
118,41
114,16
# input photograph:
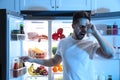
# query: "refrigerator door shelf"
17,36
15,73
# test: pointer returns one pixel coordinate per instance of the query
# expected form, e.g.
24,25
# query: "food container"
18,72
17,68
37,53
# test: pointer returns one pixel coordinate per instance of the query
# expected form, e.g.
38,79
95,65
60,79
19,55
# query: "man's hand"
91,29
26,58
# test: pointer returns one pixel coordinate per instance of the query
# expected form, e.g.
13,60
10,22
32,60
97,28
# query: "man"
77,51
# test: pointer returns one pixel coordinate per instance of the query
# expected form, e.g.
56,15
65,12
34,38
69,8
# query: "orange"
60,69
59,65
54,69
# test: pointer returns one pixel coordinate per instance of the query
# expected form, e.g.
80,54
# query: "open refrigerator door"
16,68
109,27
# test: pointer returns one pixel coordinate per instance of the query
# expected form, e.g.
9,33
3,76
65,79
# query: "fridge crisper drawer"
18,72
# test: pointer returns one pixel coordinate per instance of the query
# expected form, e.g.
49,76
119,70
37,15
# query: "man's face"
81,29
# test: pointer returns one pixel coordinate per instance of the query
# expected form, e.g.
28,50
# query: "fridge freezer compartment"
18,72
17,36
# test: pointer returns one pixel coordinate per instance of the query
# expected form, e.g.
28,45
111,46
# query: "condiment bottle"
16,64
15,69
115,29
109,29
20,64
21,29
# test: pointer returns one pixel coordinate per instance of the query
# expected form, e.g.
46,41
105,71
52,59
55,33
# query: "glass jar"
109,30
115,29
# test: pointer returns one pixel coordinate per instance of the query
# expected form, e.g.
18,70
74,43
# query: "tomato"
60,31
62,36
55,36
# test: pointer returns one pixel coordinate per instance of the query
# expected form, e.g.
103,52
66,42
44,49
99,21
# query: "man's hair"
81,14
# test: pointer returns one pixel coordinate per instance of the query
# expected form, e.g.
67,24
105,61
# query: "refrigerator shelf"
36,41
18,72
36,78
17,36
58,73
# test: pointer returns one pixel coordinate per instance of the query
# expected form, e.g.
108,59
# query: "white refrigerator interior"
66,25
38,42
46,27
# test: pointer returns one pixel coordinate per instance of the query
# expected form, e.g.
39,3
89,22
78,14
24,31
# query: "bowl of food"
36,53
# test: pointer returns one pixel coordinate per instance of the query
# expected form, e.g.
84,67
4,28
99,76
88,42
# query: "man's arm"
101,53
46,62
105,50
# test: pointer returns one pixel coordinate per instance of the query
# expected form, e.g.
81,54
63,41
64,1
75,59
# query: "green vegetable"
54,49
71,33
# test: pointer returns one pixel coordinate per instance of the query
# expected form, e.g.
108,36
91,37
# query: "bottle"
21,29
109,29
109,77
102,76
20,64
115,29
23,64
15,69
117,53
16,64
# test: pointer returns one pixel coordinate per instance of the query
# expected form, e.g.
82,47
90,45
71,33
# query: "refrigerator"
105,23
37,37
29,35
